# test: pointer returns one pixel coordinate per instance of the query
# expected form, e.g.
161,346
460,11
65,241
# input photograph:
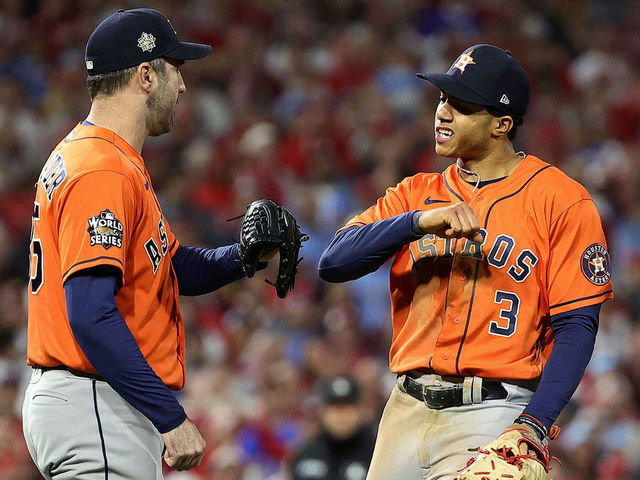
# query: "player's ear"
501,126
145,76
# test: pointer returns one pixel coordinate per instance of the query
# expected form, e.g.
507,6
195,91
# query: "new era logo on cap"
504,99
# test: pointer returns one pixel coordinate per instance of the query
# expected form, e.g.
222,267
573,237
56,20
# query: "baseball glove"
502,459
267,226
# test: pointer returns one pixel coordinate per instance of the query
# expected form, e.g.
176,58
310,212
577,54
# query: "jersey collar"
517,178
84,130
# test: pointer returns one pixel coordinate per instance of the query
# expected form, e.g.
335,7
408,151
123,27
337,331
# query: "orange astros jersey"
95,206
465,308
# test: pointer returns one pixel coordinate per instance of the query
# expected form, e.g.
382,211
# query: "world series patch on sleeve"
106,230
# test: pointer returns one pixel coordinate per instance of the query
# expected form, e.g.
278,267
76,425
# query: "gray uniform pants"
80,428
419,443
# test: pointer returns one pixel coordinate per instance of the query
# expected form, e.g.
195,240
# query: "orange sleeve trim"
72,267
352,224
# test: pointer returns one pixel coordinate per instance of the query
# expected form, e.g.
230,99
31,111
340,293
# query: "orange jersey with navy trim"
468,308
95,206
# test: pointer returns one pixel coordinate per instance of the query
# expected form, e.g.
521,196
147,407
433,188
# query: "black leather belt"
446,396
73,371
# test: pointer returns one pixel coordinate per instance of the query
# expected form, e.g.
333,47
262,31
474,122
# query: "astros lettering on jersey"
454,309
75,228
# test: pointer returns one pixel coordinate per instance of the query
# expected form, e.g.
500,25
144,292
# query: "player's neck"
497,164
122,115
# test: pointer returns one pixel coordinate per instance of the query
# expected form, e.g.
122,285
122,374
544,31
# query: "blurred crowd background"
316,105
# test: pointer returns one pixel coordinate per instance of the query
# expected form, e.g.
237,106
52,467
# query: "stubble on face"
161,106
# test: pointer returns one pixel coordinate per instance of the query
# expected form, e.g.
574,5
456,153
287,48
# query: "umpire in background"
343,448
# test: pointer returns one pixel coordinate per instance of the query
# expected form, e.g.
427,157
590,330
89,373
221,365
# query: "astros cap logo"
464,60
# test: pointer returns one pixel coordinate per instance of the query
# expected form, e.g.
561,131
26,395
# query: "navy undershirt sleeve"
203,270
575,335
105,339
359,250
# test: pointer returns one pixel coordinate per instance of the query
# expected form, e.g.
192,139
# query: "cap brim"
454,87
189,51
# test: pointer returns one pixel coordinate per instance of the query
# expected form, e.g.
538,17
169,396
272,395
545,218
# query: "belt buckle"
435,396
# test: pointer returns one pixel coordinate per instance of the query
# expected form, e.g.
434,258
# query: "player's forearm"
360,250
112,350
575,334
203,270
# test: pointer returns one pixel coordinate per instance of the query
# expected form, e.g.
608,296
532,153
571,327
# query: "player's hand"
185,446
524,448
452,221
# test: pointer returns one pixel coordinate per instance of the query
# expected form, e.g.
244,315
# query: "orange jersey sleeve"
579,265
394,202
402,198
97,217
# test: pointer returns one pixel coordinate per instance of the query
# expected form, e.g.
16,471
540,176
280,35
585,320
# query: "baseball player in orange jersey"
499,269
105,334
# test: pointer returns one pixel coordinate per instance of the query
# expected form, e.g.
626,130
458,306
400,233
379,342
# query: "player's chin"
446,150
161,128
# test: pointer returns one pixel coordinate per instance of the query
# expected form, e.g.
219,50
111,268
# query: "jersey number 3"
36,274
512,303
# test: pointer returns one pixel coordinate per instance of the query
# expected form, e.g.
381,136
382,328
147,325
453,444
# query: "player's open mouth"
443,134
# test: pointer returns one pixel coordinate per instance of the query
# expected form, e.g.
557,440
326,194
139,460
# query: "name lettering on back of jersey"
595,264
106,230
53,174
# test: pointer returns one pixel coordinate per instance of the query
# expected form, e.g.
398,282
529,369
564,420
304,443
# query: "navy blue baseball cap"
489,76
130,37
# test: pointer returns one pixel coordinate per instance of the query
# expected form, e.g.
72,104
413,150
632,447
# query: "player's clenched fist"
453,221
185,446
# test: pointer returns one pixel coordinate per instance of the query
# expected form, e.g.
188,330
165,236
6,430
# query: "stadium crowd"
315,103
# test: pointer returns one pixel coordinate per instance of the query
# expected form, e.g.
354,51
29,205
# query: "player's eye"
463,107
443,98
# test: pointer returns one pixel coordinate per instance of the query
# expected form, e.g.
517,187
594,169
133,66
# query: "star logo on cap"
464,60
146,42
